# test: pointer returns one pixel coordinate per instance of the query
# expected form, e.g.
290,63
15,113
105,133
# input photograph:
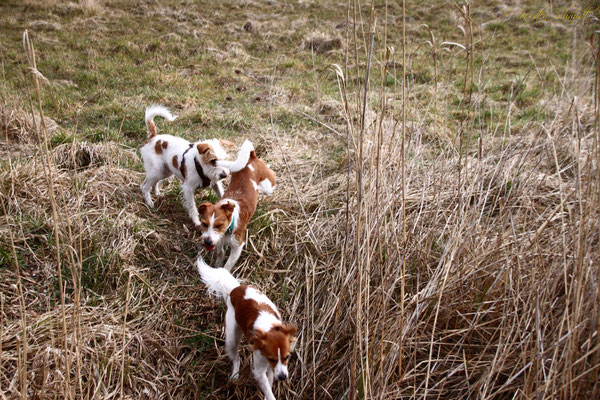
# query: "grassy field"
435,228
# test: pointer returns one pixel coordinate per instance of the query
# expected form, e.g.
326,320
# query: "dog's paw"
234,377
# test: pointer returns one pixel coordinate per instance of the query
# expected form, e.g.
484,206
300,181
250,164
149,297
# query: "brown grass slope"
439,240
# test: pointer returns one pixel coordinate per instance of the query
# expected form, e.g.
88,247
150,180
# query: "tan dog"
225,222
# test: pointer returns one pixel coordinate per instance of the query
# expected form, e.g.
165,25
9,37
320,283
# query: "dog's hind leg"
220,255
232,340
218,188
190,202
146,187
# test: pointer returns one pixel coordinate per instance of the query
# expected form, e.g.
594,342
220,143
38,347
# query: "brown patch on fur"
203,147
165,144
151,129
158,147
273,343
247,310
207,153
226,143
222,211
243,191
277,341
174,162
183,169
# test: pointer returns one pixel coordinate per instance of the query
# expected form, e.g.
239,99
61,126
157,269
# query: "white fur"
233,335
242,158
157,110
219,281
211,233
265,321
250,167
265,187
159,166
263,374
260,298
219,240
280,371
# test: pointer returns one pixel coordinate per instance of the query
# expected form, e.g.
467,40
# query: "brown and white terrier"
252,313
225,222
195,164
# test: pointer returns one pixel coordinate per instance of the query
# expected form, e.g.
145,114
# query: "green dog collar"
229,230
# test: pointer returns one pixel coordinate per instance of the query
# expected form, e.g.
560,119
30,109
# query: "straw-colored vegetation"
435,228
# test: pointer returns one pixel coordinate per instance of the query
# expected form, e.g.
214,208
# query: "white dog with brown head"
195,164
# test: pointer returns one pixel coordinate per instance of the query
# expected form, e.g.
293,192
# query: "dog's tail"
219,281
151,112
242,158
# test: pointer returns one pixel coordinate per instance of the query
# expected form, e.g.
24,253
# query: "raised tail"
242,158
219,281
151,112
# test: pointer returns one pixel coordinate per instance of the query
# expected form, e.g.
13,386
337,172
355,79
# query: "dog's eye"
218,226
213,162
204,224
286,358
273,360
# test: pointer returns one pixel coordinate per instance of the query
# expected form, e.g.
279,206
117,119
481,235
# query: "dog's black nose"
207,241
223,175
281,377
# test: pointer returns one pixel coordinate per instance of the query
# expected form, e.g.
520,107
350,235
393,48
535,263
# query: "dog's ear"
293,342
252,154
290,331
228,208
225,143
203,147
257,338
202,207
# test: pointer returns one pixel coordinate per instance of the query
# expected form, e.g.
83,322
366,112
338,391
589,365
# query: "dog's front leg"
218,188
234,255
220,254
190,202
232,340
260,368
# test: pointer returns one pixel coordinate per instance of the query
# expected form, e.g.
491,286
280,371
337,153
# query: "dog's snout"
208,241
282,377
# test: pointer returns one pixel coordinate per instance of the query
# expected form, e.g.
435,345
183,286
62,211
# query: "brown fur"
151,130
247,310
207,153
158,147
165,144
243,191
269,343
174,162
223,214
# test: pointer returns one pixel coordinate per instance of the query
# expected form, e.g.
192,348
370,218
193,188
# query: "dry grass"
449,259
